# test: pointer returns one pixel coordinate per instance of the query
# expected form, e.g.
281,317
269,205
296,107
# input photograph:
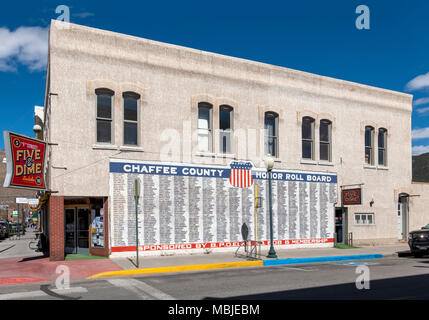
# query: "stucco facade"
171,80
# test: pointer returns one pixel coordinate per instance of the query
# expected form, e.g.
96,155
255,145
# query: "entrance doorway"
77,230
403,216
340,225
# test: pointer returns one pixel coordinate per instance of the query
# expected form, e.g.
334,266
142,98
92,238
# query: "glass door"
82,230
76,230
70,234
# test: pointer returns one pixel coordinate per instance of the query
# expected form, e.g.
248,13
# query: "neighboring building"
8,196
121,107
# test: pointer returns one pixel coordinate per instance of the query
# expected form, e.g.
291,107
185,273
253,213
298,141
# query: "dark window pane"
130,133
104,106
225,141
307,128
270,124
325,131
104,131
368,155
381,160
225,118
204,117
324,151
381,138
368,137
271,146
130,108
307,150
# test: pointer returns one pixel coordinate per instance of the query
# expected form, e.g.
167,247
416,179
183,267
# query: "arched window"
369,145
325,139
104,115
225,127
382,147
271,142
308,138
131,118
205,127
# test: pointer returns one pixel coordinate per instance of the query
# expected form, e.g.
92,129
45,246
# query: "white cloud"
417,150
419,82
423,110
422,133
25,45
421,101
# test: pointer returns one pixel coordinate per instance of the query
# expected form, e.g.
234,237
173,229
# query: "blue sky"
314,36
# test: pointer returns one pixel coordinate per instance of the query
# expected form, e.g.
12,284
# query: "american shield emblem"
241,174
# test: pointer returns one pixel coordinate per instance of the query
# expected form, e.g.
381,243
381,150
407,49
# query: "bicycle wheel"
33,245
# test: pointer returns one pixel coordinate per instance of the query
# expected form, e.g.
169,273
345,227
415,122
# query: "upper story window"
104,115
271,133
369,145
308,138
205,127
225,126
382,147
131,118
325,137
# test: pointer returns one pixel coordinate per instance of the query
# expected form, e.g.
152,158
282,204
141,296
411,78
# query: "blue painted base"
279,262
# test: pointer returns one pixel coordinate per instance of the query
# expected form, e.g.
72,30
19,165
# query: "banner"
190,206
25,162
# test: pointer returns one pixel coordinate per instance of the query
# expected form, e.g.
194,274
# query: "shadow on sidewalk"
42,256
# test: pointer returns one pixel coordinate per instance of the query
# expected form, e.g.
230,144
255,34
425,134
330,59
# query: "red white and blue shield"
241,174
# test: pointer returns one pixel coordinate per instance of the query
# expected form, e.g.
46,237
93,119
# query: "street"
390,278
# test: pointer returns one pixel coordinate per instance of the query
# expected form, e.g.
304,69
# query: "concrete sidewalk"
128,263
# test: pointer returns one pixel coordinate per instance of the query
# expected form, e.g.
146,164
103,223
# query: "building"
120,107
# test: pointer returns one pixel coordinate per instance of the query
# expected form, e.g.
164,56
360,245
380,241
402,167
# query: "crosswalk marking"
143,290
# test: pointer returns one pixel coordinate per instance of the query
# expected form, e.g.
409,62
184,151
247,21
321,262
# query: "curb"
258,263
194,267
279,262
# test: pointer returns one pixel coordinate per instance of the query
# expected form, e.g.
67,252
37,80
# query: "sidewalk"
19,264
34,267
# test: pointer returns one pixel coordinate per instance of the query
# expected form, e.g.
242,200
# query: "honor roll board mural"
185,207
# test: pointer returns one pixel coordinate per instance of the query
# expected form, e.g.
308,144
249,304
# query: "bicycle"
36,243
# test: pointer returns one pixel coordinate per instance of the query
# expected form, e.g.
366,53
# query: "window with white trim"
364,219
382,147
307,131
205,127
104,115
131,118
225,128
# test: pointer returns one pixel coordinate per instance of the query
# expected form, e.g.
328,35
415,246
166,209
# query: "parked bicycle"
36,243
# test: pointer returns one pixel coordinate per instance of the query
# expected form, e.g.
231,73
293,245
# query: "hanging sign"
25,162
352,196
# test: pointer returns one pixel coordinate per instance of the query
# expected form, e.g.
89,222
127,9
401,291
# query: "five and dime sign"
25,162
352,196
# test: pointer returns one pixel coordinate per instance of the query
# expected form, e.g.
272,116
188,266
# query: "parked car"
418,240
4,226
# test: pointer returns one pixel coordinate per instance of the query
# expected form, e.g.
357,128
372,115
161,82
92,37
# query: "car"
418,240
4,232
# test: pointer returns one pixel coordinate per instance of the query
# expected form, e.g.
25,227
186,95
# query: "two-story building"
185,123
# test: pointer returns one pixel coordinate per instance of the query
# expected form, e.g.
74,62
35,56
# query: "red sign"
25,161
352,196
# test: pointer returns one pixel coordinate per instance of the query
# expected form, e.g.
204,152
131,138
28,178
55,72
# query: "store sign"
352,196
25,162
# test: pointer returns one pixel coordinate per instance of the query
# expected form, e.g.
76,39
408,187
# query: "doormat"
72,257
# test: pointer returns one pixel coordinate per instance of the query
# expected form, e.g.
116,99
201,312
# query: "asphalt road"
389,278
